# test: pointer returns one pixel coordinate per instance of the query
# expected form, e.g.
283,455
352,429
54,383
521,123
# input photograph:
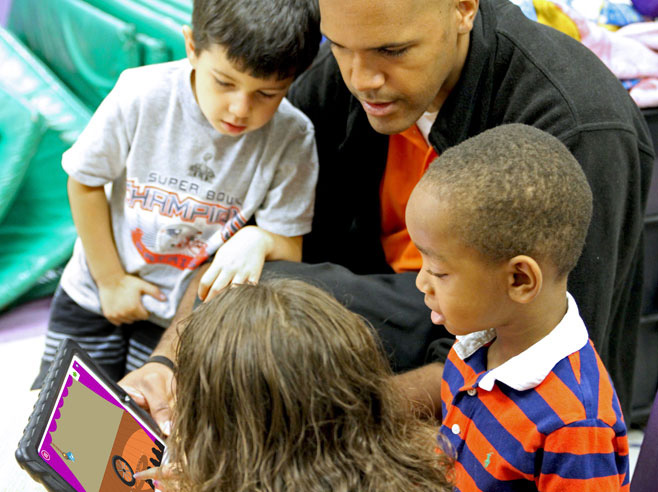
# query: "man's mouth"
376,108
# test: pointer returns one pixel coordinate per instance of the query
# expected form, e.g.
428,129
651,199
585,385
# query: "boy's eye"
221,83
436,274
266,94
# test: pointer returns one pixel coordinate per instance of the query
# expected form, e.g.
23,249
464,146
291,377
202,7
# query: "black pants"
390,302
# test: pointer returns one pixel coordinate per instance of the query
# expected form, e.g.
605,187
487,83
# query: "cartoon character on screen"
67,456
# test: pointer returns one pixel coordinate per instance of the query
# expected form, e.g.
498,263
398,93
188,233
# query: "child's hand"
240,260
121,298
163,477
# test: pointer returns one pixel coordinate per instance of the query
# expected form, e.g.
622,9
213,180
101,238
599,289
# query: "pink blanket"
630,53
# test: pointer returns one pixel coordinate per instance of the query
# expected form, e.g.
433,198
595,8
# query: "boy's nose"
240,105
421,282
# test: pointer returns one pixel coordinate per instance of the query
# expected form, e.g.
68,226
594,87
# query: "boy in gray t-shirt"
182,161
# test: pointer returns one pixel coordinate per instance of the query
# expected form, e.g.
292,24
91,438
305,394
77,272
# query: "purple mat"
5,5
25,321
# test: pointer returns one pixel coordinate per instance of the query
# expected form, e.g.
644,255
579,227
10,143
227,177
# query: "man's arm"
152,386
422,387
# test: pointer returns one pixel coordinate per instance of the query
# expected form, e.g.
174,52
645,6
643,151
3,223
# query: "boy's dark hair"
263,37
515,190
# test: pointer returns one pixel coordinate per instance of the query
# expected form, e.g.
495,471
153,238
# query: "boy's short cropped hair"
515,190
263,37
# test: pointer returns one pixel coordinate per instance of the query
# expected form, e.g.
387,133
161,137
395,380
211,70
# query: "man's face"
400,58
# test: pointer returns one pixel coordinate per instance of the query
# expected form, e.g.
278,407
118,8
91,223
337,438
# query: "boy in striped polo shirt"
500,221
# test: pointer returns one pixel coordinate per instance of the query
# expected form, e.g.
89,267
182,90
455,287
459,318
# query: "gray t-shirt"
177,188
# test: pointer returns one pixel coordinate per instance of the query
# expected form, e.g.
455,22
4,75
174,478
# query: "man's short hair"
263,37
515,190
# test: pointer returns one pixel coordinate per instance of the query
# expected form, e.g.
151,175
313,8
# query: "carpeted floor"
21,343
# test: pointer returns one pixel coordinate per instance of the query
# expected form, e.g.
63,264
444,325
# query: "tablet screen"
93,441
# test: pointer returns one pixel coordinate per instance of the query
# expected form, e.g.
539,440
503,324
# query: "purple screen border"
55,460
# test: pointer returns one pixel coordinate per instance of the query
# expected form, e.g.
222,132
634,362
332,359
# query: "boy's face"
465,292
232,101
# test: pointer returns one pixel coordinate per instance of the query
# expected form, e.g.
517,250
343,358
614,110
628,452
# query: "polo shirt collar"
528,369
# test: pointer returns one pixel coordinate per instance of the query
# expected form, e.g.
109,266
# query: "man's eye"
393,52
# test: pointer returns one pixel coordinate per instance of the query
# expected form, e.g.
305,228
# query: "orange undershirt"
408,158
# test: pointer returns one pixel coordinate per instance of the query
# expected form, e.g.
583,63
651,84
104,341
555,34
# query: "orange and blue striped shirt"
548,419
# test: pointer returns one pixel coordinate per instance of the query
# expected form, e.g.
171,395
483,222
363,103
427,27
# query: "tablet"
85,433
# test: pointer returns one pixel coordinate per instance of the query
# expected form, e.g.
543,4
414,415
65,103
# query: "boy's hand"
121,298
152,387
240,260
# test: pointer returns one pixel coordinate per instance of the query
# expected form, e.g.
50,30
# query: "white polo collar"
425,123
530,367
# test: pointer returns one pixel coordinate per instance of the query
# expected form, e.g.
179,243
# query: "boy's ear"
525,279
189,44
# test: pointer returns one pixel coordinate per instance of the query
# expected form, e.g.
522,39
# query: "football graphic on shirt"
177,238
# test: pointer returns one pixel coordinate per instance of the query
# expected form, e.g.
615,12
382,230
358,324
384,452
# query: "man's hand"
240,260
121,298
152,386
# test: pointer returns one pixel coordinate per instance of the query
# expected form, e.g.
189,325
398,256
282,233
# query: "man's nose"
365,74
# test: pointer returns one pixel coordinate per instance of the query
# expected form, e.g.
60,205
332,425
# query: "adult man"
456,68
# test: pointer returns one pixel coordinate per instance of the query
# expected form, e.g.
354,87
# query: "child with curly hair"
281,388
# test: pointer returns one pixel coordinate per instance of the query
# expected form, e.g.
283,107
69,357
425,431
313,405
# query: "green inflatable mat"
85,46
37,232
151,18
173,11
21,129
182,5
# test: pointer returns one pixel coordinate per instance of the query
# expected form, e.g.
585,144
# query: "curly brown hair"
281,388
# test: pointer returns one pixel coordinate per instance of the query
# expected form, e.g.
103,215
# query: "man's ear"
189,44
525,279
467,9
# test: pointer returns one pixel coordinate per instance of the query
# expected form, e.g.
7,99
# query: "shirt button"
455,429
472,392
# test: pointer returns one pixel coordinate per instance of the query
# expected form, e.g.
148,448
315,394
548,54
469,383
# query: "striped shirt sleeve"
584,456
